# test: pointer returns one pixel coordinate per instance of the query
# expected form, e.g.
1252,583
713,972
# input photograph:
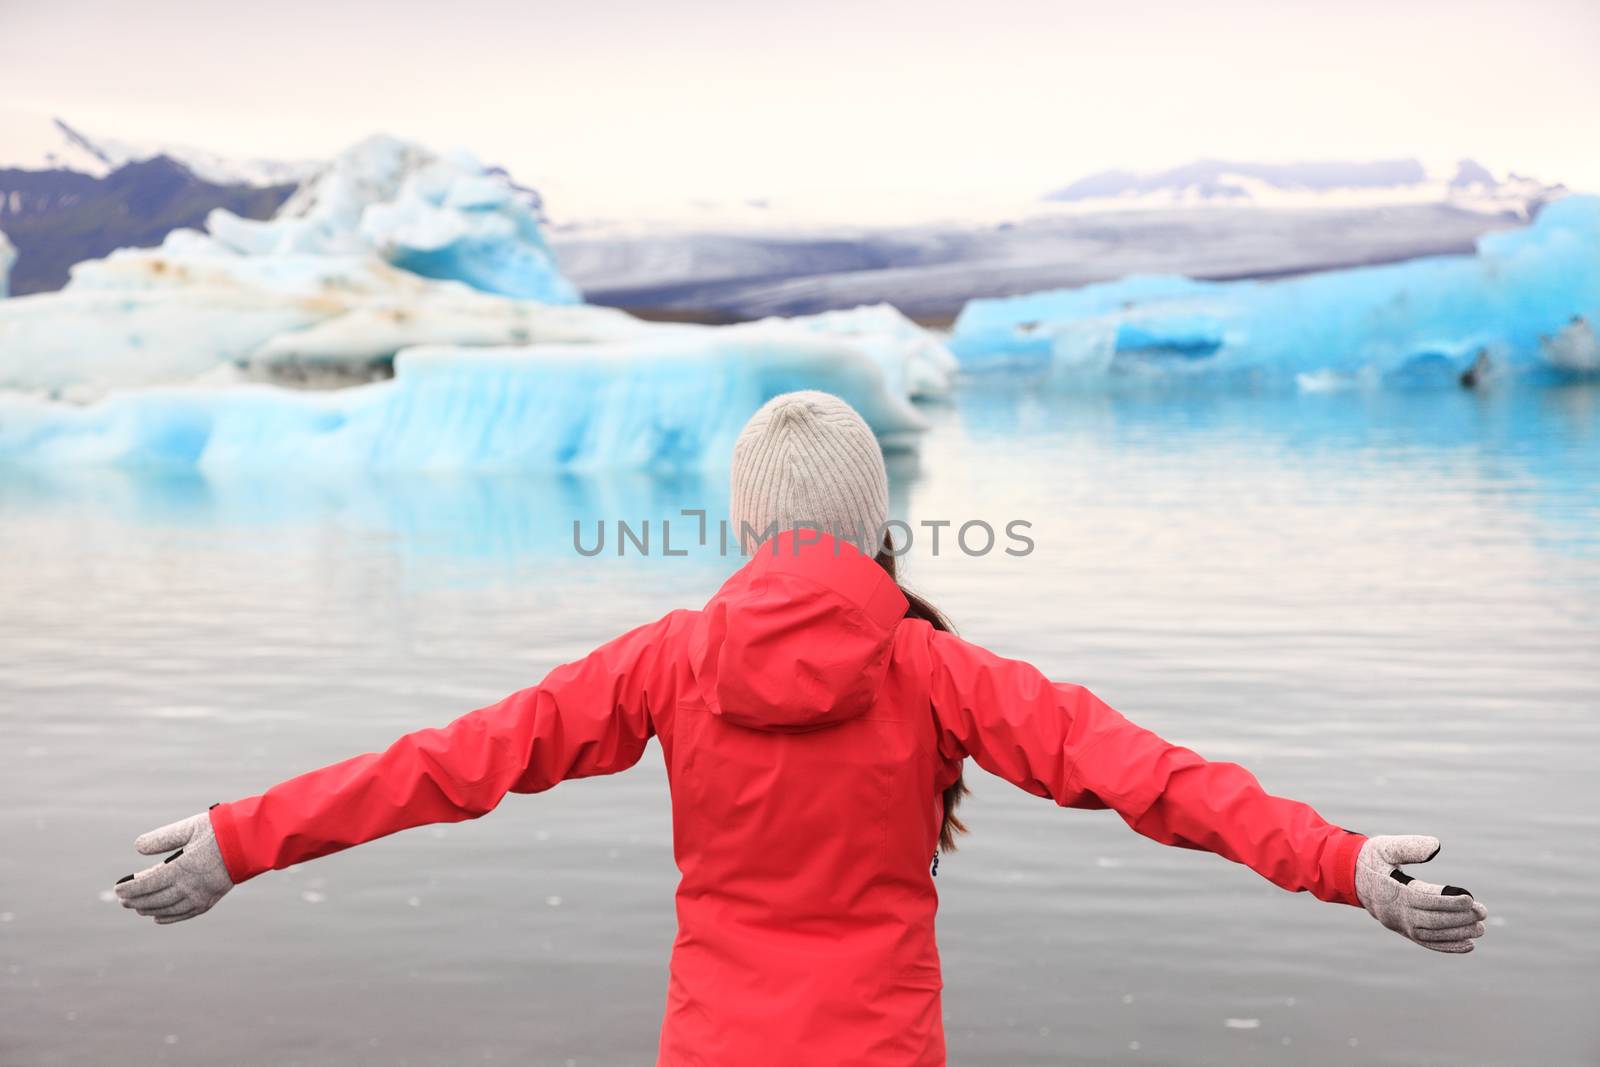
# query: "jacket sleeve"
589,717
1060,741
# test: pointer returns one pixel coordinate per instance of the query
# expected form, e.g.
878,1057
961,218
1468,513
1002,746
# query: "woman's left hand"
1444,918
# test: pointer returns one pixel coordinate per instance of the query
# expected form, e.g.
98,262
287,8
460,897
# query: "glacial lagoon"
1384,603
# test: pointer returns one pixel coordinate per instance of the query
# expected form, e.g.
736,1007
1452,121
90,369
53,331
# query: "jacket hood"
799,638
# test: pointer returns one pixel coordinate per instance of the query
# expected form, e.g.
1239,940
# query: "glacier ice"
672,399
159,357
8,256
153,316
1575,348
195,314
446,217
396,262
1523,305
388,245
1022,326
914,361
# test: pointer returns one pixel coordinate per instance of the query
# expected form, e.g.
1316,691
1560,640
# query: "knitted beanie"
807,459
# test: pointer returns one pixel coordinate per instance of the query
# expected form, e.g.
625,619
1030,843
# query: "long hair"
918,608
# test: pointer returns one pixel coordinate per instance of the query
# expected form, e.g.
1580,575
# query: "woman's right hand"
185,884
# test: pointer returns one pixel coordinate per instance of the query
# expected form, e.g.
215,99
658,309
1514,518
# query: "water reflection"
1534,449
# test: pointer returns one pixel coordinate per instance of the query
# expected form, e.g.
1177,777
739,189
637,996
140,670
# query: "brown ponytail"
918,608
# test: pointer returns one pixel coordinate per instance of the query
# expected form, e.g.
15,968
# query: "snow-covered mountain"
1209,219
1469,186
66,197
1466,186
31,141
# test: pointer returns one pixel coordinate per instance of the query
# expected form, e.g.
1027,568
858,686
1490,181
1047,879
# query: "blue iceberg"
672,400
1012,327
402,312
1523,306
435,216
388,245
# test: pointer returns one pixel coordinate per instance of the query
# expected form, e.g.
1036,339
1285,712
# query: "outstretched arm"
1061,741
589,717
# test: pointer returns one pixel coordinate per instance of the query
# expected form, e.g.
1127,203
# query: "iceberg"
673,399
1523,306
386,246
8,256
402,311
1013,327
156,316
215,326
915,362
1575,348
444,217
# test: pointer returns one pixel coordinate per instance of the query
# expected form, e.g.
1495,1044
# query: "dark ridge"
56,218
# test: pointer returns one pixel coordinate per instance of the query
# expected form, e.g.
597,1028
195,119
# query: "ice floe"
674,399
412,305
1524,305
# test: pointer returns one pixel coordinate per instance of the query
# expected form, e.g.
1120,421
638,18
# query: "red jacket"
809,730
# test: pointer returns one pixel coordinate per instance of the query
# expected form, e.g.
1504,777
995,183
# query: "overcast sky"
606,102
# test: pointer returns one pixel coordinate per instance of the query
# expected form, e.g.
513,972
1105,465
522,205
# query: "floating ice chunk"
1242,1024
199,311
1325,381
674,398
1523,305
1574,348
395,260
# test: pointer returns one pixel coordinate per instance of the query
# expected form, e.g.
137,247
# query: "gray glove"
186,883
1444,918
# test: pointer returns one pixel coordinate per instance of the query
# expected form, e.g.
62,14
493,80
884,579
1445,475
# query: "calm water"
1388,607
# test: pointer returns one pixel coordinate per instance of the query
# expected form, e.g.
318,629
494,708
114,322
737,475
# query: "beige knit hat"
808,459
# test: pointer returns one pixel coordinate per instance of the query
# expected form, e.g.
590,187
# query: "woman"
814,719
